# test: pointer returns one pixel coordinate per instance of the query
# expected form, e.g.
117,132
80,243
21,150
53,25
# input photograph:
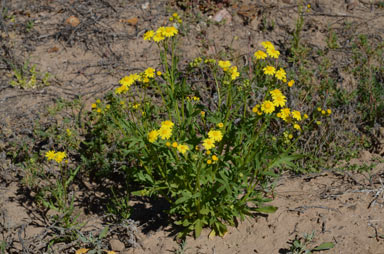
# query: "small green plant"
332,40
119,205
27,77
95,244
3,247
56,196
300,245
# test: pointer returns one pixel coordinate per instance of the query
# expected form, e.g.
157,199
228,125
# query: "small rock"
223,15
73,21
116,245
132,21
365,156
145,5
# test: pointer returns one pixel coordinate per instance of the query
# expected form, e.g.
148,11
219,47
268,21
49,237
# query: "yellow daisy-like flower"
174,144
260,54
158,36
167,124
273,53
280,74
276,92
168,144
220,125
98,110
279,100
169,31
319,109
285,113
148,35
305,116
129,80
98,101
290,83
256,109
208,143
267,107
297,127
323,112
60,156
225,65
234,73
182,148
329,111
269,70
165,132
208,152
152,136
215,135
93,105
296,114
202,113
318,122
50,155
267,45
121,89
150,72
158,73
215,158
209,162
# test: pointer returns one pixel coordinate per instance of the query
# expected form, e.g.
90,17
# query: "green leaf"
185,196
324,246
103,233
198,228
266,209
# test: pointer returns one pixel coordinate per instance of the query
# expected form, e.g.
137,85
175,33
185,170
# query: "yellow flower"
158,36
209,162
175,15
285,113
305,116
93,105
110,252
256,109
168,144
169,31
165,132
69,132
269,70
50,155
267,107
150,72
202,113
152,136
323,112
216,136
167,124
260,54
121,89
290,136
297,115
290,83
220,125
182,148
279,100
234,72
82,251
59,156
174,144
224,65
158,73
273,53
267,45
276,92
98,101
214,158
318,122
208,152
297,127
136,106
280,74
128,80
329,111
319,109
148,35
208,143
98,110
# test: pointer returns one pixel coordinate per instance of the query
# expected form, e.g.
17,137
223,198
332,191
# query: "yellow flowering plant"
213,158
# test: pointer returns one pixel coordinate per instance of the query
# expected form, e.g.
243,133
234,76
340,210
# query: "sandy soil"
88,59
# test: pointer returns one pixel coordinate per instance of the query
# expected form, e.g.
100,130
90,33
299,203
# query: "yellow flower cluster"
56,156
231,70
127,81
175,17
193,98
213,137
161,33
165,131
